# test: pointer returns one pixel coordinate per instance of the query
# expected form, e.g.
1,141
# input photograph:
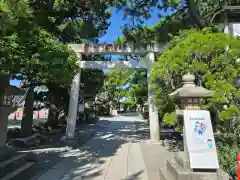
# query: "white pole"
73,104
153,112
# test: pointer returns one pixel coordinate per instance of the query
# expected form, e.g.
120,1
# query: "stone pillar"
185,157
4,111
73,104
153,112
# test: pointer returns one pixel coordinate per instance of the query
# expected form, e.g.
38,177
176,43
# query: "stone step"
165,175
179,157
17,173
12,159
11,164
6,154
177,171
211,176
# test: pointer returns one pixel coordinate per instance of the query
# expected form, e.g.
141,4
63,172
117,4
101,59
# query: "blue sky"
117,22
114,30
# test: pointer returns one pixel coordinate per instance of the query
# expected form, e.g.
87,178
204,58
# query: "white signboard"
81,108
200,140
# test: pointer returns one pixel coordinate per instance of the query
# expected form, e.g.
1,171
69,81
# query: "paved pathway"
114,153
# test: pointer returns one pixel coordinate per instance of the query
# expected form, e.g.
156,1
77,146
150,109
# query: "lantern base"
70,141
181,159
178,168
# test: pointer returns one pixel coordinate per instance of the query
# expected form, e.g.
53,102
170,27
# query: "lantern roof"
190,90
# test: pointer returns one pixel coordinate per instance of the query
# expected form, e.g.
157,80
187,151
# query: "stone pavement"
119,151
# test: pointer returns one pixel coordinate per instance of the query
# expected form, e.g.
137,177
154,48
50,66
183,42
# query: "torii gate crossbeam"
112,64
96,49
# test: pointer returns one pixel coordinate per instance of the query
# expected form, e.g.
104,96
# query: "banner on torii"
122,49
112,64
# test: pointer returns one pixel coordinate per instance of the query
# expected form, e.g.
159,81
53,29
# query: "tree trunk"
4,79
53,111
58,100
197,18
53,116
27,120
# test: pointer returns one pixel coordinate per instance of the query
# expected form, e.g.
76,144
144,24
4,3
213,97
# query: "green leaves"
32,33
72,20
135,77
230,112
92,81
227,157
170,118
204,55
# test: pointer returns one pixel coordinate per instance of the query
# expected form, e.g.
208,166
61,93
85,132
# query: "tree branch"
199,21
215,14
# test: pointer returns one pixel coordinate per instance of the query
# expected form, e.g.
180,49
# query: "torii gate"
103,49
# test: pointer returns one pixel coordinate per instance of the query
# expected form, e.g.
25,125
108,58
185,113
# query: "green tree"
201,12
181,15
50,60
215,67
72,20
113,81
92,81
138,90
201,53
136,78
32,33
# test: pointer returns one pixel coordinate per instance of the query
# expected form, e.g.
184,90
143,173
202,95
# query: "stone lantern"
188,98
6,100
7,93
189,95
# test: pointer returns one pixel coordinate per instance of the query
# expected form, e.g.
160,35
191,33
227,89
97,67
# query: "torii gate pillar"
153,112
73,104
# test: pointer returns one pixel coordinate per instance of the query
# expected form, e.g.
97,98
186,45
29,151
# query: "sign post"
199,159
200,140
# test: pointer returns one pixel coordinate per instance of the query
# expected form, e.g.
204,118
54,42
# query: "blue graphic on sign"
199,128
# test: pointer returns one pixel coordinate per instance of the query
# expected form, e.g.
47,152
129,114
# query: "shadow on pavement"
83,161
